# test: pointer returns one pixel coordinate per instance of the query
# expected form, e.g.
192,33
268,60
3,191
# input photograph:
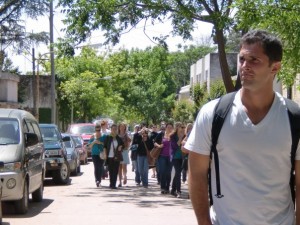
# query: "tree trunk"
223,61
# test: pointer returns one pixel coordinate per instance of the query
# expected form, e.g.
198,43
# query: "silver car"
73,155
22,158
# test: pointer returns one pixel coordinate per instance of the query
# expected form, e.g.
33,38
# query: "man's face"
256,72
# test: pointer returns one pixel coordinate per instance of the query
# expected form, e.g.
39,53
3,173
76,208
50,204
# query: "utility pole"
53,94
34,85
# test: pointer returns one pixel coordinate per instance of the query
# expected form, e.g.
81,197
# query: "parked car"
22,158
57,165
73,155
80,146
85,130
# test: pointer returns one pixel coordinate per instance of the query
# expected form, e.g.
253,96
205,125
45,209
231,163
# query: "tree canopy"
118,16
142,84
282,18
12,28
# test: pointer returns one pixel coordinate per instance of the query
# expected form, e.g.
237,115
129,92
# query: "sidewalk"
81,202
147,206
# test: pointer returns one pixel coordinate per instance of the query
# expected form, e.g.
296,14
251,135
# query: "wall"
8,90
27,91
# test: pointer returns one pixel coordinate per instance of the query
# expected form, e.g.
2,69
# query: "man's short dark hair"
271,44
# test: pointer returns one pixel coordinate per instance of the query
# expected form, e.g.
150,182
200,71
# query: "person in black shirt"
143,151
135,140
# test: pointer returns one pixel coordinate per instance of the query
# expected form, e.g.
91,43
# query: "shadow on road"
150,197
34,209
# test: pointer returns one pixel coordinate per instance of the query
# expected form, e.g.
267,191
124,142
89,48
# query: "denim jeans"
165,168
98,167
143,168
157,172
176,183
137,173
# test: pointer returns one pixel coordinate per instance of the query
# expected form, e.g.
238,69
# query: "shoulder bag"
155,152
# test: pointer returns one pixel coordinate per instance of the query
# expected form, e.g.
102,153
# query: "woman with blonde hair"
122,133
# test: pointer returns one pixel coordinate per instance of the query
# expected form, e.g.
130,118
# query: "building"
9,90
207,70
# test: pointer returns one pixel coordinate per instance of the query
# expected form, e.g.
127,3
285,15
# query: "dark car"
57,165
73,155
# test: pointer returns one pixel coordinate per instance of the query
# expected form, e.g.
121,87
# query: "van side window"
25,127
29,125
37,130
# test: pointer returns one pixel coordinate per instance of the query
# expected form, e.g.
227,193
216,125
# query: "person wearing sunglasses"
96,145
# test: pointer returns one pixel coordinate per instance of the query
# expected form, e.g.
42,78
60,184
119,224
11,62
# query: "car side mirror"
31,139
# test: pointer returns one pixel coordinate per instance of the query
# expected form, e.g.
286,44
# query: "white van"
22,155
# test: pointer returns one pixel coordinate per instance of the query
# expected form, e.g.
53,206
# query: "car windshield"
9,131
90,129
49,134
78,140
68,144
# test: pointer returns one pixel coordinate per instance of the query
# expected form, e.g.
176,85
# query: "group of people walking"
111,149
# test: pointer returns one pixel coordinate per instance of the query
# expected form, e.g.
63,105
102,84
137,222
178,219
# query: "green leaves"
282,18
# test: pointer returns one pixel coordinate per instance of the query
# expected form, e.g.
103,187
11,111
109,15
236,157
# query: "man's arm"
297,177
198,186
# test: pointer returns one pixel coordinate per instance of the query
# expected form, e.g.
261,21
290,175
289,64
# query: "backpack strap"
221,110
294,118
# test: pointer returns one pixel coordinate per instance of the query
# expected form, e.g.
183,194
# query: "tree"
183,111
181,62
82,87
117,16
12,28
142,79
7,65
281,17
201,96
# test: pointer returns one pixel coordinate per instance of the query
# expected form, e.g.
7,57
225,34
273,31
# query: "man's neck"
257,104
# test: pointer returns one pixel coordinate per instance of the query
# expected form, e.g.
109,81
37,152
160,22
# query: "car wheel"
37,195
21,206
62,175
74,173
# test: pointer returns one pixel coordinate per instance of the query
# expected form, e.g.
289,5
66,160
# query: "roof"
47,125
15,113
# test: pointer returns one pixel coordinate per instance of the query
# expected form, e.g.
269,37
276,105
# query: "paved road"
82,202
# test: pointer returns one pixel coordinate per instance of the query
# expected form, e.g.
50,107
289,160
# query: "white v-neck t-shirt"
254,162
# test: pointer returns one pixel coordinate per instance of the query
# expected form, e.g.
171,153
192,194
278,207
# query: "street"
82,202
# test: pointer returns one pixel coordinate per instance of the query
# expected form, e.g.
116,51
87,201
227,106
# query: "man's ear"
276,66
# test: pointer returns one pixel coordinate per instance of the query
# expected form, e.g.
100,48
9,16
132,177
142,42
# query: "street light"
72,98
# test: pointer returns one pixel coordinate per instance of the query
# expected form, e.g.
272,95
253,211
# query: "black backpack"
221,110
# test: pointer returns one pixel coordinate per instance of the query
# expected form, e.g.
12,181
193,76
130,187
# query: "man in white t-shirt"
254,147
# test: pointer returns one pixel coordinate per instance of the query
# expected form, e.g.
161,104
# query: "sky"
133,39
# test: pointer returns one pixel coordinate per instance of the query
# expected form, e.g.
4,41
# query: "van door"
34,156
